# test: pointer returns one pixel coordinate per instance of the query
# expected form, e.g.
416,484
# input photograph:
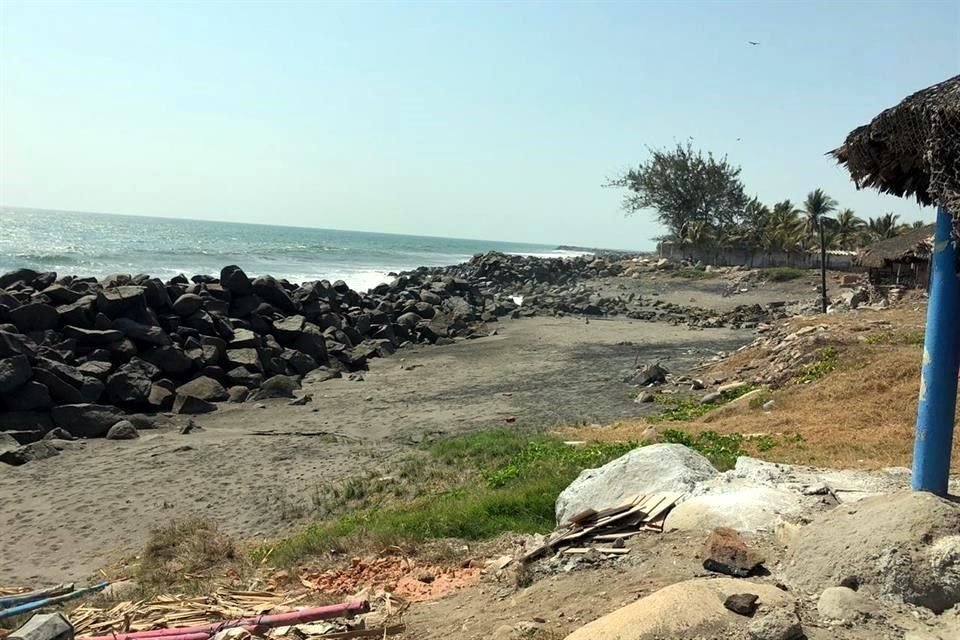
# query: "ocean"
96,244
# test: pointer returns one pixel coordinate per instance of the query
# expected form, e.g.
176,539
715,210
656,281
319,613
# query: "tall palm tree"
817,206
848,227
883,227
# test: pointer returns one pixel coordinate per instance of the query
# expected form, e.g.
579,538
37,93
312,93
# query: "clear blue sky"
483,120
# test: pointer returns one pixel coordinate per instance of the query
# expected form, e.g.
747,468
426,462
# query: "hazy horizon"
455,120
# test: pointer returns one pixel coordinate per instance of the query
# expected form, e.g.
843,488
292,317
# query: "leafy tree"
685,188
817,205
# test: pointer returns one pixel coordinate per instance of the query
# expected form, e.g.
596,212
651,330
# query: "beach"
97,501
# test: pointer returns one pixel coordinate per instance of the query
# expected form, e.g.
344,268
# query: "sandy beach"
66,517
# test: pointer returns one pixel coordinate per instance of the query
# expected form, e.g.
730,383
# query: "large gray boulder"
187,304
14,372
234,280
86,420
279,386
35,316
204,388
29,396
149,334
123,430
650,469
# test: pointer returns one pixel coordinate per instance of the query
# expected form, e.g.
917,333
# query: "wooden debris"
640,513
179,611
609,550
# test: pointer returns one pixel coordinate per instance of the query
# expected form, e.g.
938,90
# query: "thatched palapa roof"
909,246
912,149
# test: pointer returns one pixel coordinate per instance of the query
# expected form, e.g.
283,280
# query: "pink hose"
277,620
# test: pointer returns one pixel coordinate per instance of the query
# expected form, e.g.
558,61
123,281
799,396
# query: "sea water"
95,244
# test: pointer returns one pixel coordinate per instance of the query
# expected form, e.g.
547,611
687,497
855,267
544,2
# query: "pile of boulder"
77,354
560,286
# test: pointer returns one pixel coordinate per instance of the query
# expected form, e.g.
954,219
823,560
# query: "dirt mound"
401,576
903,546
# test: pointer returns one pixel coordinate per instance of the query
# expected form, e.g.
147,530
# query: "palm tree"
787,227
848,227
817,206
883,227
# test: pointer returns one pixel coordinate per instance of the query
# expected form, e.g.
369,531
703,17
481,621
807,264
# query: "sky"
491,120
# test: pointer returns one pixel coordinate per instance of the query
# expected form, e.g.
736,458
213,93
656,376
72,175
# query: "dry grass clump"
185,551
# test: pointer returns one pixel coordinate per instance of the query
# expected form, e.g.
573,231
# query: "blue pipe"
46,602
941,357
19,598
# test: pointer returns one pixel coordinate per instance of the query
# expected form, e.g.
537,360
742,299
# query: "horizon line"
555,246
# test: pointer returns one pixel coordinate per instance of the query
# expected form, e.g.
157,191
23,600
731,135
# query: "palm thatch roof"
912,149
910,246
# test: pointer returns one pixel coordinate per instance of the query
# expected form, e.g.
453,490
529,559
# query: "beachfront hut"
913,150
903,260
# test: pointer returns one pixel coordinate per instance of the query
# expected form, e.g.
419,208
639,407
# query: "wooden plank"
580,516
606,550
379,632
610,537
668,503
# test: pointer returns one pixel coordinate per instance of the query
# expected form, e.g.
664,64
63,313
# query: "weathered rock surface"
903,546
278,386
649,469
123,430
14,371
204,388
727,552
690,610
191,405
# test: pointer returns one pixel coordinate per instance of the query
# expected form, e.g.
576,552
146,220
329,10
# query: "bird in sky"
753,42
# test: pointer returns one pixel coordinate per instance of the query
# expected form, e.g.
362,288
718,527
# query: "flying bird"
753,42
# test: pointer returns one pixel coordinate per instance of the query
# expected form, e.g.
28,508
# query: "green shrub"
826,362
784,274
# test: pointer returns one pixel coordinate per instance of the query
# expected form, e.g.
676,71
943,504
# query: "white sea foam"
556,253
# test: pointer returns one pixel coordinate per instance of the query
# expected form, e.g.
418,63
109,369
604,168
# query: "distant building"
902,260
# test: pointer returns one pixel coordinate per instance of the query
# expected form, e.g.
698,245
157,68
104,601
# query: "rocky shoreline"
88,358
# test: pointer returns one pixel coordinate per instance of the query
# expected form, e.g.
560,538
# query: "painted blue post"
941,356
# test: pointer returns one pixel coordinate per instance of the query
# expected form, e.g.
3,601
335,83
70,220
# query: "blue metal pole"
941,356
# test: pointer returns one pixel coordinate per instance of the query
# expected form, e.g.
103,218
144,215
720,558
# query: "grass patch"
683,408
827,360
722,450
496,481
784,274
692,273
184,551
911,338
